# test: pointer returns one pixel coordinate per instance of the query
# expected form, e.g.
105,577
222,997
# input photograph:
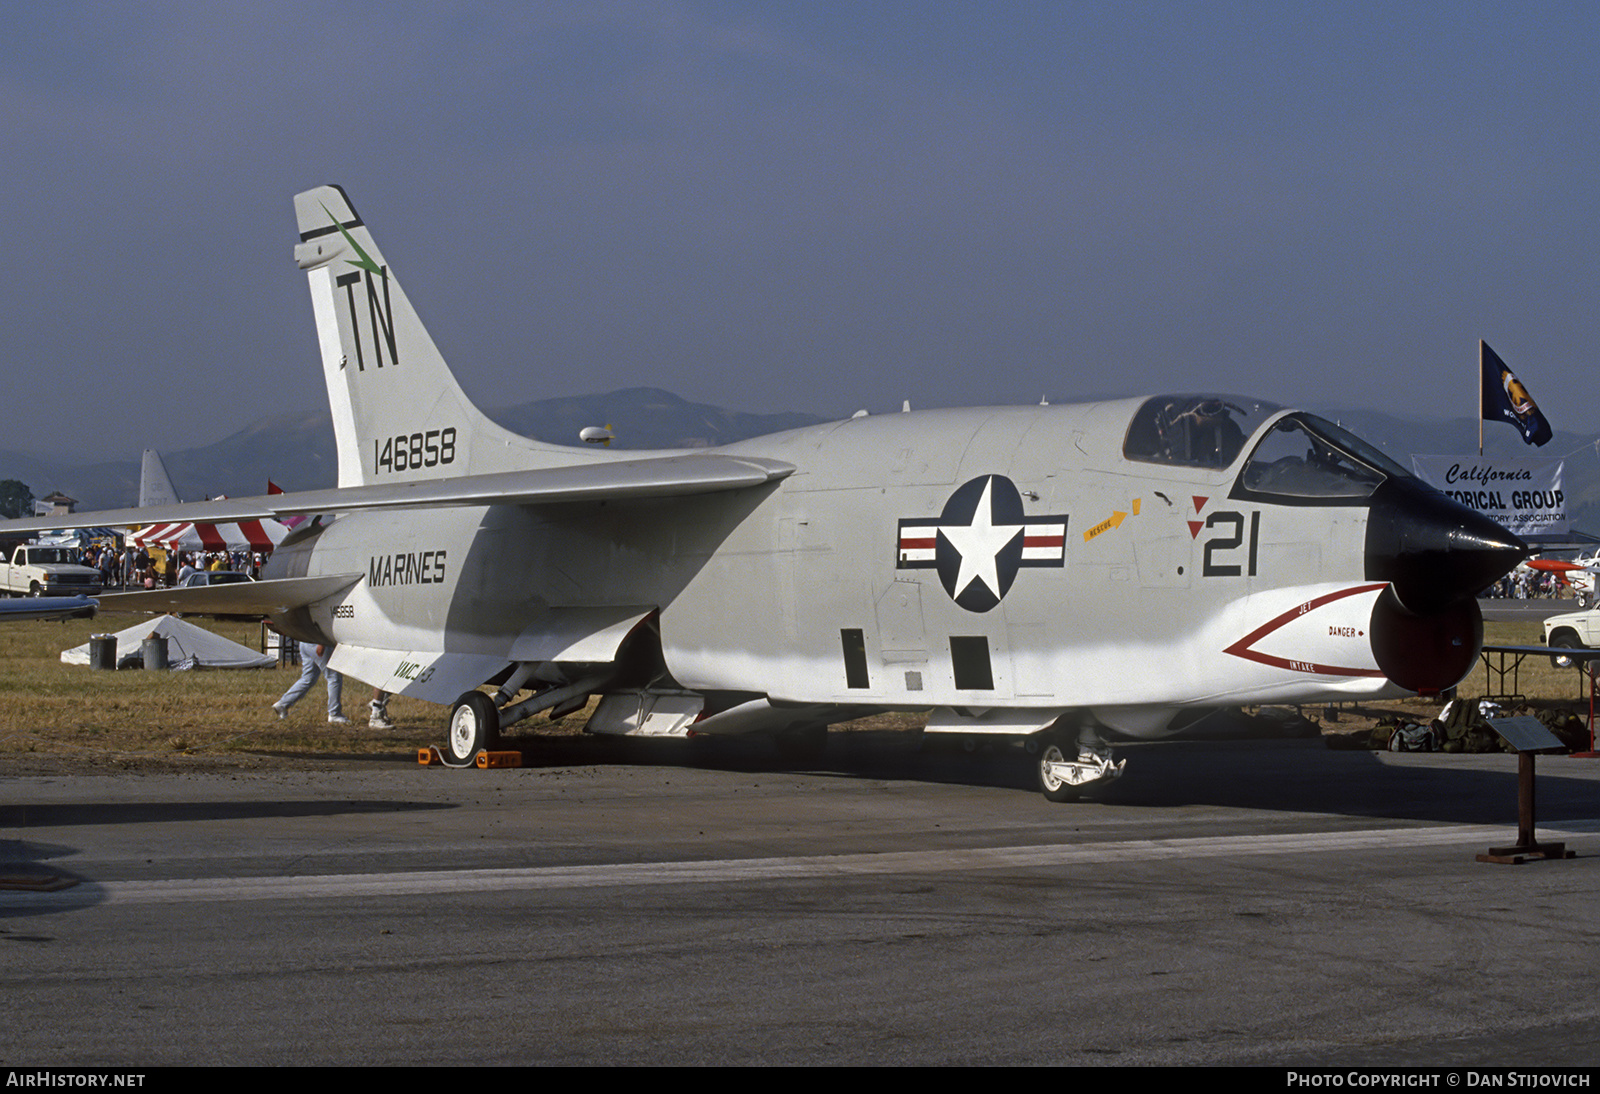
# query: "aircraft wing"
47,607
241,598
652,477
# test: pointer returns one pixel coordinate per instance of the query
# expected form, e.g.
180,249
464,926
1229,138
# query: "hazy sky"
811,206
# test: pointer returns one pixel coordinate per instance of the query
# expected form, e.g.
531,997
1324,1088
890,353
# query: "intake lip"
1434,551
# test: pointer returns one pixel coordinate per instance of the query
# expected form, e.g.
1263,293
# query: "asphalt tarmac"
1511,610
628,902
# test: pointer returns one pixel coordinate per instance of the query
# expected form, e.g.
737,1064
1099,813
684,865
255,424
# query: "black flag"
1506,400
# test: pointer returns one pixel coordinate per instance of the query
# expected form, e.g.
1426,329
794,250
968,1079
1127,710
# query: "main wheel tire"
1583,600
1050,785
474,725
1564,642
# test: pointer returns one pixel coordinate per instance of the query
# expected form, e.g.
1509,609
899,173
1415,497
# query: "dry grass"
85,719
48,708
1540,681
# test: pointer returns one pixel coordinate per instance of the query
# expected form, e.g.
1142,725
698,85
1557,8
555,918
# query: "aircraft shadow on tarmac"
1288,775
23,861
99,814
1284,775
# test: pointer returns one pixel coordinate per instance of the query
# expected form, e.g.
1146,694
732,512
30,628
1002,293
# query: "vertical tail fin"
398,413
155,485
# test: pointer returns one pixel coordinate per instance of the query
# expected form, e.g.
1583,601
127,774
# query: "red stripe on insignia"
909,544
1044,541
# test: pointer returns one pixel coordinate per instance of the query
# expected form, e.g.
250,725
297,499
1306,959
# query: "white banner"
1522,495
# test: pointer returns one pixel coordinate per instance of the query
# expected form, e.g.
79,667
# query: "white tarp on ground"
184,640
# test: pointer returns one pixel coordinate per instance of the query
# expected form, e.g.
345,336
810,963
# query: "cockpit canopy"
1307,460
1301,460
1194,430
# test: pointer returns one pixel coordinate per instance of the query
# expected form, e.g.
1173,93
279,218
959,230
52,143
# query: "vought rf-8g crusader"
1055,573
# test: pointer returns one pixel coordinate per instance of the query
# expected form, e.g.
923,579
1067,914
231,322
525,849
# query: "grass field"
84,719
49,707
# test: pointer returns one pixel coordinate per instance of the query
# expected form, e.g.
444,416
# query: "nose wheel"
1064,780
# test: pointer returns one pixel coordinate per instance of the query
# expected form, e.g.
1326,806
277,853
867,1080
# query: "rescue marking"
1113,521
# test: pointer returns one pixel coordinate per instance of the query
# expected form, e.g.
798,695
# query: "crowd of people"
134,568
1528,586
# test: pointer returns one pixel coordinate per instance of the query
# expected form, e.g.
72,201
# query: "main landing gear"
474,726
477,718
1061,779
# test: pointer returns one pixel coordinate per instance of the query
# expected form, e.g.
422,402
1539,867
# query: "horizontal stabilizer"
243,598
655,477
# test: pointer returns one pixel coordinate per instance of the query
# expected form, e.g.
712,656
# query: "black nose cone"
1434,551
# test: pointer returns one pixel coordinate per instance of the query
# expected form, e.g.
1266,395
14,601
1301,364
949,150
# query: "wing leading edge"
272,597
655,477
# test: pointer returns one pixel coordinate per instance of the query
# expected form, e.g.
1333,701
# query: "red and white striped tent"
249,535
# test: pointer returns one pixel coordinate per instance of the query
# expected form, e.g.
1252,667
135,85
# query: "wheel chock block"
488,759
430,756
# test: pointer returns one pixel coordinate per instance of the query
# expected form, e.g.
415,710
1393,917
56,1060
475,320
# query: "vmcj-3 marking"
1048,572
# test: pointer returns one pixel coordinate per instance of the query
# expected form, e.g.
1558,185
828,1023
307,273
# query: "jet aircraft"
1057,573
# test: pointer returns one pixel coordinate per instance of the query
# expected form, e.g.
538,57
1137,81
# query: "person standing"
314,663
379,707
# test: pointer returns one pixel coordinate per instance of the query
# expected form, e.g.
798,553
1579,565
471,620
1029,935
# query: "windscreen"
1307,459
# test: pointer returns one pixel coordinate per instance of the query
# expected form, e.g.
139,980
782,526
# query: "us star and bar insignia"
980,541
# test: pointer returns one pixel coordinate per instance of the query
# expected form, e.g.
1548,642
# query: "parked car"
214,577
1572,631
48,571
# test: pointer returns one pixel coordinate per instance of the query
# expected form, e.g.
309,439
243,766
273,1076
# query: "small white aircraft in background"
1578,573
1057,573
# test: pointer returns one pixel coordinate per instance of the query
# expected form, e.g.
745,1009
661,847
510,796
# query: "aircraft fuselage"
974,559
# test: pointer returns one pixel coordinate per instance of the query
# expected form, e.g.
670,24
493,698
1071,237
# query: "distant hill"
296,451
643,417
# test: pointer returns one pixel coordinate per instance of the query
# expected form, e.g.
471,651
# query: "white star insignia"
978,544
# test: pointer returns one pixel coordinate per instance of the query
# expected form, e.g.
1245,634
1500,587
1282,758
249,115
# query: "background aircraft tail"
398,413
155,485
